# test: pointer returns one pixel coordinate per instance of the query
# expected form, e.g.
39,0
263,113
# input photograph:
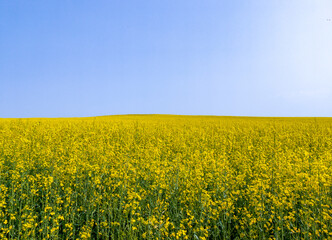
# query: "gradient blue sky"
90,58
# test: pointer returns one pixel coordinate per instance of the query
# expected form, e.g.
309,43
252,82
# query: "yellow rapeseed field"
166,177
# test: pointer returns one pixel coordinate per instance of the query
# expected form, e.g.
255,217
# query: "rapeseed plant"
166,177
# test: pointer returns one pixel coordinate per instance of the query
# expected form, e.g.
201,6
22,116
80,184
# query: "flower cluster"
166,177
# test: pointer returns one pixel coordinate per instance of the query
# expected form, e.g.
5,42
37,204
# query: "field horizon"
167,115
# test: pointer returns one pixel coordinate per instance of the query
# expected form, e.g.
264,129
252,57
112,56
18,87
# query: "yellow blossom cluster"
166,177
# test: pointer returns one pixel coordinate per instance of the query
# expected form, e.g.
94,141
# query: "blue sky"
90,58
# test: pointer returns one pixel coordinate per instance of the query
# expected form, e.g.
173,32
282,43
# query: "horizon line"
165,114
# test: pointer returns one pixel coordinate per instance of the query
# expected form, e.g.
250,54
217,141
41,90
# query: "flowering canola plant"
166,177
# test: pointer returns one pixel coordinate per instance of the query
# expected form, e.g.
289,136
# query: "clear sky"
200,57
